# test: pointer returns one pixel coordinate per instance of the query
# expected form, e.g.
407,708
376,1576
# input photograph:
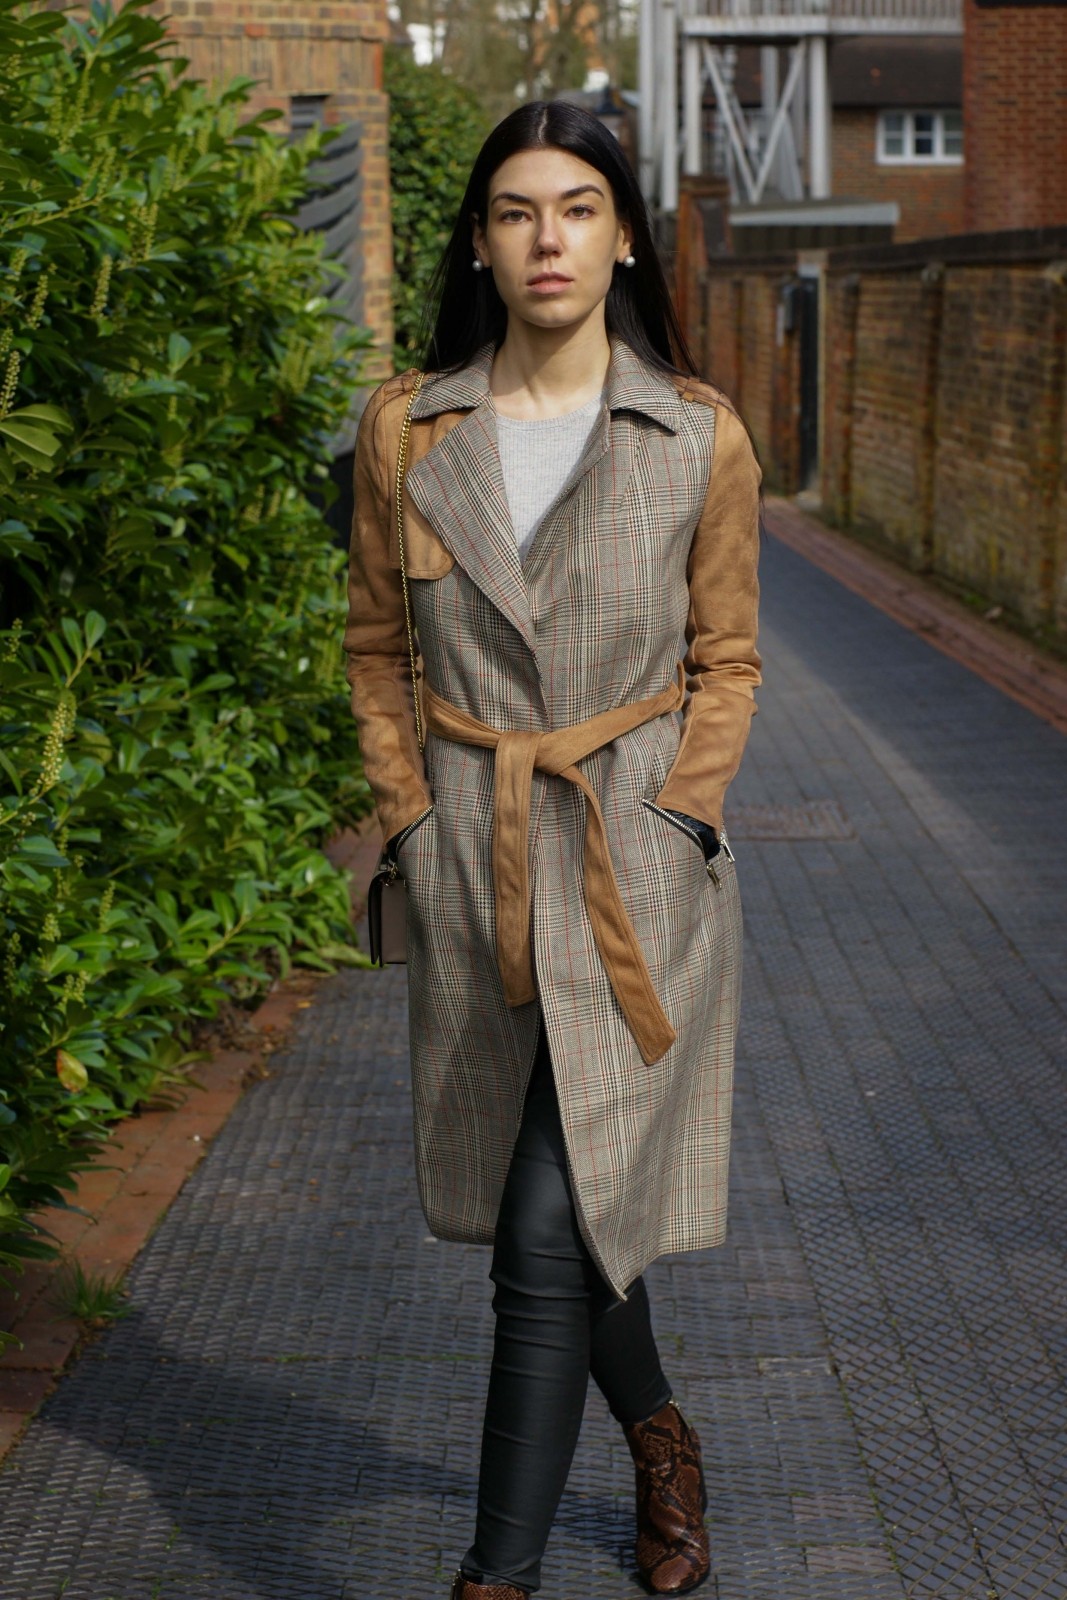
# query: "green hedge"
436,128
175,739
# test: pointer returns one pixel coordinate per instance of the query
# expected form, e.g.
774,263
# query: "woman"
574,506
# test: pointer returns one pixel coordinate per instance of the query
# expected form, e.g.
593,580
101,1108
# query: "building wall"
310,47
1015,111
930,197
890,438
759,368
944,405
947,437
720,354
1000,408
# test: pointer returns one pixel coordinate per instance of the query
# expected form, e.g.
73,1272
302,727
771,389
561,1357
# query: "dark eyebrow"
568,194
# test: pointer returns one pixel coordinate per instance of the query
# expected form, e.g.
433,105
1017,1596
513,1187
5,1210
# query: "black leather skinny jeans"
557,1321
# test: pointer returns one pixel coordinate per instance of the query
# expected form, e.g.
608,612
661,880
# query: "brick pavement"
876,1357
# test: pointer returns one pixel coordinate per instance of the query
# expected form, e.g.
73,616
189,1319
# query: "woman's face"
551,236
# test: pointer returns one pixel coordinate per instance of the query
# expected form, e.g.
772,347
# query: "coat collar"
633,384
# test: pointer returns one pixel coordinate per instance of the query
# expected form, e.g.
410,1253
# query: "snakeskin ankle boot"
672,1542
466,1589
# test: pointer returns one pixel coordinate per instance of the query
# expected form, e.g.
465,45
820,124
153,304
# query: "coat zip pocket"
405,833
674,822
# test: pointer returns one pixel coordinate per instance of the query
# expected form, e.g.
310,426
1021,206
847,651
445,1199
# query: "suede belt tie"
517,756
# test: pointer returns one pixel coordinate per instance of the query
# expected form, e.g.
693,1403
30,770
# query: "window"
924,137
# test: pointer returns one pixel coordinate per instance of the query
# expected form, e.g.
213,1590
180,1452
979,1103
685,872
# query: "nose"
547,240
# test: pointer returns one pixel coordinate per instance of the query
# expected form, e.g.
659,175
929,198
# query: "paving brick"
113,1245
95,1188
66,1227
182,1145
214,1104
21,1390
22,1290
157,1178
132,1138
223,1074
45,1342
11,1425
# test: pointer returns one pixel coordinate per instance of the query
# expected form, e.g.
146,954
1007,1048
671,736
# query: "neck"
540,372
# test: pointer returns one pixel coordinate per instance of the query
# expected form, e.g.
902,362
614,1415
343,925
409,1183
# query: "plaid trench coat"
650,550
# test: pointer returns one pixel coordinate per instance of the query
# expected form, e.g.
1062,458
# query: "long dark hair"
466,309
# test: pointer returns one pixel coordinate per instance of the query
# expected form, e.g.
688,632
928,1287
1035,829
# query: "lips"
549,277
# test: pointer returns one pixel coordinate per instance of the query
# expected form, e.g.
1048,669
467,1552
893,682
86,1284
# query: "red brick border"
138,1174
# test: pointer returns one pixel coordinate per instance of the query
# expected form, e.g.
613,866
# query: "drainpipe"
668,192
818,119
693,86
646,90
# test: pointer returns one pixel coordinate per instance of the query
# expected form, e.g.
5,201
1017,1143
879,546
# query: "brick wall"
945,415
720,353
310,47
997,522
744,353
1015,111
840,314
891,412
690,256
944,404
930,197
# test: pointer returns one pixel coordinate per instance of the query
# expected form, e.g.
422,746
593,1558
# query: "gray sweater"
537,456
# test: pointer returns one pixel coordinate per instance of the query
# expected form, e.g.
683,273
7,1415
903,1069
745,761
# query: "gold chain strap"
401,460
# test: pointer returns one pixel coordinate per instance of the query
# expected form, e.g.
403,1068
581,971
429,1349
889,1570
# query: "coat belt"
516,757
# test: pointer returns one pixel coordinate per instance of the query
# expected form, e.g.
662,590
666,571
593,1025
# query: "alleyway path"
876,1358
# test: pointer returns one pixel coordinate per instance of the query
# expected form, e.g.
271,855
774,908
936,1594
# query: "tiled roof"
877,70
896,72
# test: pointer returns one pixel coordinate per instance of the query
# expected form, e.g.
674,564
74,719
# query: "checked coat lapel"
458,486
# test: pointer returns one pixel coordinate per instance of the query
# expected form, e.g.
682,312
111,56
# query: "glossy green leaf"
33,437
95,628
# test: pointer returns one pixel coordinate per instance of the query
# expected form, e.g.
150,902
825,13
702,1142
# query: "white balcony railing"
846,10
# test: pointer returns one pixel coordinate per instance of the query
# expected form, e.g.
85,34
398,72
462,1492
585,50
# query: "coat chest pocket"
425,556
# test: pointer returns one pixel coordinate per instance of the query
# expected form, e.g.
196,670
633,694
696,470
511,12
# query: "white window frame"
909,159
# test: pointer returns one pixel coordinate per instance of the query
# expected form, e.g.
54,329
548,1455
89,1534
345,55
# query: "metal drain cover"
814,819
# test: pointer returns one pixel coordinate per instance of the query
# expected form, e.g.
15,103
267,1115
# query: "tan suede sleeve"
375,639
722,663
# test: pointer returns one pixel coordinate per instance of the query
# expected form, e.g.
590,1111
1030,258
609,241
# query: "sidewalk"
875,1358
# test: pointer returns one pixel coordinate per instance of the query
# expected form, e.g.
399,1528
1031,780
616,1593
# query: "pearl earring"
477,264
629,261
